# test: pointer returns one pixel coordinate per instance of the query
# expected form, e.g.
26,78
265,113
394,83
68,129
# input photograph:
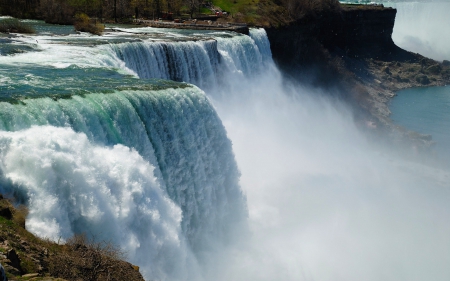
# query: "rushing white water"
195,62
422,27
111,192
73,186
324,202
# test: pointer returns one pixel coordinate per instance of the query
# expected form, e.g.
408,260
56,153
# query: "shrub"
92,260
15,26
84,23
434,69
422,79
20,215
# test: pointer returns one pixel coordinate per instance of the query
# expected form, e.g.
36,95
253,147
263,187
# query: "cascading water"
145,163
422,27
176,131
198,62
73,185
194,62
324,202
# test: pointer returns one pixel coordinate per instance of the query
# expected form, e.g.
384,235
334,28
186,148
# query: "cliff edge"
352,52
27,257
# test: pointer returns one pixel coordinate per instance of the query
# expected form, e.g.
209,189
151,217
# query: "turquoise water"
22,82
427,111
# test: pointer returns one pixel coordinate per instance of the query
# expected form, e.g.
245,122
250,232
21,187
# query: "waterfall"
92,144
154,170
422,27
147,160
73,185
204,63
194,62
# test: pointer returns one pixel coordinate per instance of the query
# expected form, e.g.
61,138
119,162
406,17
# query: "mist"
326,202
422,27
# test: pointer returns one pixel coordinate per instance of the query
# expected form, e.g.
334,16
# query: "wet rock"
446,63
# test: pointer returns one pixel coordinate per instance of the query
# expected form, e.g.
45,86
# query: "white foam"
75,186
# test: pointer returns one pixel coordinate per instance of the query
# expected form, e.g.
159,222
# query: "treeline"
258,12
64,11
300,8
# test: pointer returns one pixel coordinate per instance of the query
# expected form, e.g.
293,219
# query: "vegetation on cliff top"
26,257
85,24
14,25
254,12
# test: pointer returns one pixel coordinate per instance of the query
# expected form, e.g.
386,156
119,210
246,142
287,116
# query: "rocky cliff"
352,52
363,28
352,31
26,257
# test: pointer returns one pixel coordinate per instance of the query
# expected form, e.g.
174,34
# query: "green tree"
193,5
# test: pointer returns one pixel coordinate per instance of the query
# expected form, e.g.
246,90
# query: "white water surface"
110,193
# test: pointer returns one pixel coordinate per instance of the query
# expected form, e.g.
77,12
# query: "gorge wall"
369,28
355,31
351,53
